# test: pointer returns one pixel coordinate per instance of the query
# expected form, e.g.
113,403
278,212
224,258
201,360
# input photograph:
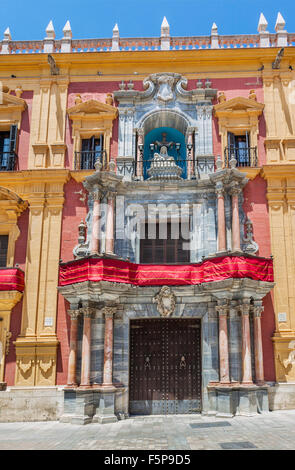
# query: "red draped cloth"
12,279
215,269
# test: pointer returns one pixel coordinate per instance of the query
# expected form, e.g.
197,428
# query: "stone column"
109,313
140,142
95,236
189,154
72,382
235,220
86,347
110,225
246,345
221,217
259,370
223,344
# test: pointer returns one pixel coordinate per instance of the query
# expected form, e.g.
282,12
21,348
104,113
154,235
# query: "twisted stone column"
86,347
71,381
246,345
236,244
109,313
259,370
221,217
223,344
95,236
110,225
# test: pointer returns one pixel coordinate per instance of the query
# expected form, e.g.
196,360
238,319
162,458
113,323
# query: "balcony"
245,156
85,160
166,169
12,279
8,161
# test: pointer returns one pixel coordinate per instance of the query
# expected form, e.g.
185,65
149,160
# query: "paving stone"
275,431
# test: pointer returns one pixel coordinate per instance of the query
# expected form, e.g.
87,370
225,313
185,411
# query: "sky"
28,19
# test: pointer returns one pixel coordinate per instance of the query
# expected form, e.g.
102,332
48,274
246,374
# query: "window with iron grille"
8,141
91,152
168,250
3,250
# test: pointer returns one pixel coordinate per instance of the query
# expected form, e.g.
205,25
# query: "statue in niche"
163,166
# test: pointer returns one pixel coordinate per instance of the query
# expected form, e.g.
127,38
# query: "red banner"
12,279
215,269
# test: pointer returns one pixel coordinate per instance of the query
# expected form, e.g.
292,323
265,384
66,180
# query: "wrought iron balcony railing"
8,161
245,157
86,159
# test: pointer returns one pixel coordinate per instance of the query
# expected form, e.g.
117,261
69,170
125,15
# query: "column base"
238,399
105,412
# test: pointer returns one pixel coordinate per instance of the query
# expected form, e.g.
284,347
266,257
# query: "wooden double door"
165,366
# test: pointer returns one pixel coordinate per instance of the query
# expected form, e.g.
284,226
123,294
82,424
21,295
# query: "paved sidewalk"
275,430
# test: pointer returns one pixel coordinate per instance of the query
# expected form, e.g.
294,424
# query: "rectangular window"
91,152
8,142
169,250
3,250
239,147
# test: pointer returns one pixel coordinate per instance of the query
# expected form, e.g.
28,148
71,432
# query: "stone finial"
233,162
280,23
252,95
116,38
262,24
50,33
214,29
221,97
165,35
7,35
214,37
18,91
78,99
165,28
109,99
67,30
218,163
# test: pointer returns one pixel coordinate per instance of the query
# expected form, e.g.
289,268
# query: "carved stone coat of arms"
166,301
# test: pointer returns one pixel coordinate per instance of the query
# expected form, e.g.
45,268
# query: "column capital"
245,308
257,310
74,314
109,311
222,309
88,312
235,190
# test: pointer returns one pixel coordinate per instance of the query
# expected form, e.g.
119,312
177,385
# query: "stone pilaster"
109,313
259,371
221,217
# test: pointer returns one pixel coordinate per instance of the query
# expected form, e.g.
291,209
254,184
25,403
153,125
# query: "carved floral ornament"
166,301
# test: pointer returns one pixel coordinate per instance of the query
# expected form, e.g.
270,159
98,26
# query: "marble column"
259,370
95,235
223,344
140,144
109,313
189,155
246,345
221,217
236,245
110,225
72,364
86,347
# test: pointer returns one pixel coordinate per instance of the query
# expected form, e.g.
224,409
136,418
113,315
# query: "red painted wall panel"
74,210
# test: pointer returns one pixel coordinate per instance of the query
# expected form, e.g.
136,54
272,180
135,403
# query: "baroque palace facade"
147,225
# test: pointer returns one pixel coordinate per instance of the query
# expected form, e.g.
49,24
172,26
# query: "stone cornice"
278,171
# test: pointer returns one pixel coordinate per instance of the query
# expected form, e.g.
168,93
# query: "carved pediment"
92,107
238,104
